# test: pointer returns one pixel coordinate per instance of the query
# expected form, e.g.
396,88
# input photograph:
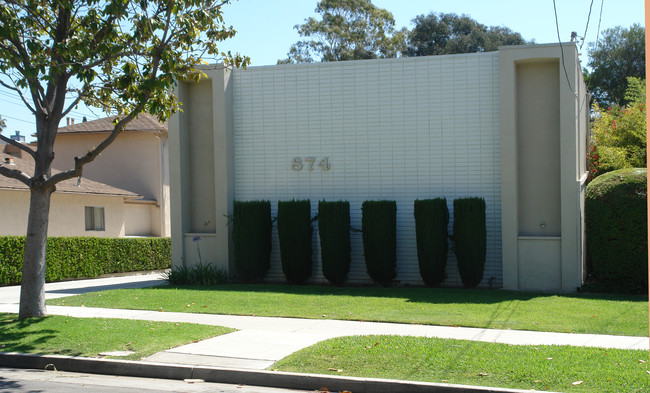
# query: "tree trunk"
32,291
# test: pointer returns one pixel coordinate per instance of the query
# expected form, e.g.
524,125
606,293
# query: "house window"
94,218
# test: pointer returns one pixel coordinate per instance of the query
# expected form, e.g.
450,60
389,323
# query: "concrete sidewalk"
53,290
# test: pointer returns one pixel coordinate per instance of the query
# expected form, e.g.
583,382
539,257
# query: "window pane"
90,218
99,218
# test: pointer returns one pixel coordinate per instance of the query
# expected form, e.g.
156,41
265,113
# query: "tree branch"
20,94
79,162
19,145
15,174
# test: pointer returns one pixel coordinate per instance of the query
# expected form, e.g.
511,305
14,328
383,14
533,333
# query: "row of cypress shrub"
252,225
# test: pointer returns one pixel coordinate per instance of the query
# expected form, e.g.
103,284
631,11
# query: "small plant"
470,238
295,235
334,232
379,220
201,274
251,232
431,220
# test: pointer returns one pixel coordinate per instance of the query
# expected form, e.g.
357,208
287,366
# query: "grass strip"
555,368
88,337
495,309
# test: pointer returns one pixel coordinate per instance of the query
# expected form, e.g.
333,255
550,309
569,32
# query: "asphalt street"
51,381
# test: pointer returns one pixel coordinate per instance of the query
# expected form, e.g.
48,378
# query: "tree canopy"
123,56
619,133
619,54
347,30
439,34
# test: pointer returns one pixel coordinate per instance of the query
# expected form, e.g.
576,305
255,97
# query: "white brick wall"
398,129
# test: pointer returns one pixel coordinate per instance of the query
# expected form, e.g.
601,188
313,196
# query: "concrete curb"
264,378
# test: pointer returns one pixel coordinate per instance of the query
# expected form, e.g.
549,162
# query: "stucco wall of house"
66,214
139,218
136,161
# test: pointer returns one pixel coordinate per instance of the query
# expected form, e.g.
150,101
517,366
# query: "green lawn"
555,368
90,336
498,309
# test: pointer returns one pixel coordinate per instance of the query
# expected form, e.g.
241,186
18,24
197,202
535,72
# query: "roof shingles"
69,186
143,123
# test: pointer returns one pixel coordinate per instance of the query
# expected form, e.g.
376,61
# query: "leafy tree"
123,56
347,30
619,54
439,34
619,133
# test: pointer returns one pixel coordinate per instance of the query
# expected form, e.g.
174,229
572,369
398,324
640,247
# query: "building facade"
507,126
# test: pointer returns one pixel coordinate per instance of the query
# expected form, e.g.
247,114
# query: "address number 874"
308,163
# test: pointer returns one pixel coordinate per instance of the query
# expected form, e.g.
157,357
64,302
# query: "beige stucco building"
136,161
509,126
86,209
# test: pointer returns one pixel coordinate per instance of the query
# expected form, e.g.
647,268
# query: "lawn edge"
276,379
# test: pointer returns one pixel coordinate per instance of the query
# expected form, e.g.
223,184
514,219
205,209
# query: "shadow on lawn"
23,335
413,294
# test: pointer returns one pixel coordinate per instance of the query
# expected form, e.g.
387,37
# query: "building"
87,208
136,161
510,126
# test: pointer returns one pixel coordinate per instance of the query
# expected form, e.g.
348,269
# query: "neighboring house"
508,126
136,161
87,208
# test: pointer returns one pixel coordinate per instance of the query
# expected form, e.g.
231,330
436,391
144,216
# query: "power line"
14,118
584,36
599,19
557,28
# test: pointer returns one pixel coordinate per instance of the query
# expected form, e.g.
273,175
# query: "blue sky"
265,29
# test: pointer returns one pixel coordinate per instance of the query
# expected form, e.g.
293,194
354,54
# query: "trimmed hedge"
431,220
295,234
251,233
87,257
617,230
334,232
379,221
470,237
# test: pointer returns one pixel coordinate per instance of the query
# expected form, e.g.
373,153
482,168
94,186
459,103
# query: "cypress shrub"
295,233
470,238
87,257
334,232
617,230
431,220
378,219
251,233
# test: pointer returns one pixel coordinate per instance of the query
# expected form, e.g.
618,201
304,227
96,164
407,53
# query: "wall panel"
401,129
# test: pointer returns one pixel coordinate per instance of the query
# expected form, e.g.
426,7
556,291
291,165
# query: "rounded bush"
617,229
